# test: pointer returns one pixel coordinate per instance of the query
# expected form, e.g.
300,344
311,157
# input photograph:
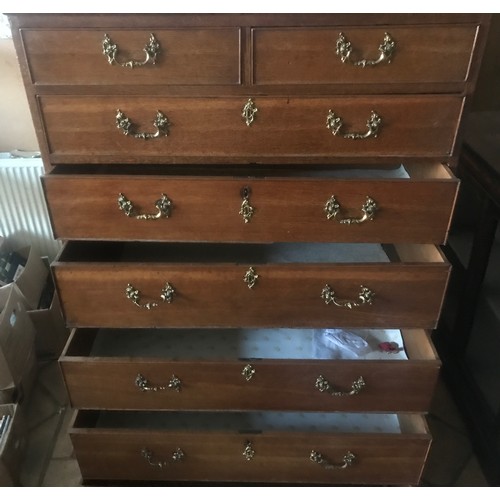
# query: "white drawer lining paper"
233,344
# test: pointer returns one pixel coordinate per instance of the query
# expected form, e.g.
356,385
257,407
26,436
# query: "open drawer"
237,369
132,285
363,449
408,204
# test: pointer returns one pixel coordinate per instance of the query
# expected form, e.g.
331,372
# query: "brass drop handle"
365,297
386,49
324,386
160,122
143,384
148,455
246,210
347,460
133,294
110,50
163,205
332,210
334,123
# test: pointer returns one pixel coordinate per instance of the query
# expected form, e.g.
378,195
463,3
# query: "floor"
50,461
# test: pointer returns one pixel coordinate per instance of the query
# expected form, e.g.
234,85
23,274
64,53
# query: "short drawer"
245,369
385,449
173,56
120,129
412,203
403,54
280,285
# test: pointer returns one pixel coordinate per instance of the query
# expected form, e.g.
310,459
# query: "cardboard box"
17,340
31,279
51,333
12,446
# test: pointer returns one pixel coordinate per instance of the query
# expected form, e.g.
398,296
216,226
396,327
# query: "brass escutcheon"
249,111
251,277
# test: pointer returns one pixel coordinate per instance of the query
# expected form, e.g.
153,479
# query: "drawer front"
406,295
176,56
140,383
85,129
128,454
420,54
213,209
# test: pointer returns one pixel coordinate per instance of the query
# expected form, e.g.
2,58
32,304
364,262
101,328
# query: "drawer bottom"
251,447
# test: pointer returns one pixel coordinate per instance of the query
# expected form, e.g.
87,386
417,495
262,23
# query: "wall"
17,131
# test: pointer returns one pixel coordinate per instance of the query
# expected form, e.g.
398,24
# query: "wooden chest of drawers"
250,205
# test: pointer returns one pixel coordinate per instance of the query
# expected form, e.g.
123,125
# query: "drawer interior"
238,344
396,171
252,422
274,253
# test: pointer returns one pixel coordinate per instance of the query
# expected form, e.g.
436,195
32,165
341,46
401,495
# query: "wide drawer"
242,369
404,54
251,447
84,128
174,56
413,204
281,285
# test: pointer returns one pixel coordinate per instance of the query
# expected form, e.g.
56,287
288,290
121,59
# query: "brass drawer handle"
386,49
324,386
144,385
148,455
160,122
347,460
332,209
110,50
334,124
163,205
134,295
246,210
365,297
248,112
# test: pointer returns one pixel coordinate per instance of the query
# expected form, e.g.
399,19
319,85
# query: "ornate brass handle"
248,451
332,209
246,210
163,205
347,460
144,385
177,456
386,49
166,295
365,297
110,50
334,124
248,112
324,386
160,122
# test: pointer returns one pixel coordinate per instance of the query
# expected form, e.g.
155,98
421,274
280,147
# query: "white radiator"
24,219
